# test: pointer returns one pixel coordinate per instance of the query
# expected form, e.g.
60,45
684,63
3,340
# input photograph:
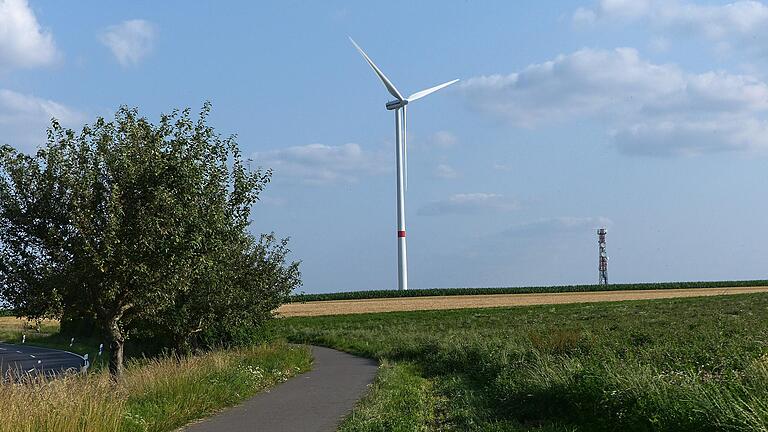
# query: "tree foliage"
142,228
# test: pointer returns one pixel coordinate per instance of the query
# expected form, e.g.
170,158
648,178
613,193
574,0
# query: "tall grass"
399,401
153,395
72,403
669,365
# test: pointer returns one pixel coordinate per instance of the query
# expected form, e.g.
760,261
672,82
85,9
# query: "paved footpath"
32,359
316,401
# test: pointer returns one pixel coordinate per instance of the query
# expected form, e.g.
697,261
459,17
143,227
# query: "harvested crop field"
344,307
11,328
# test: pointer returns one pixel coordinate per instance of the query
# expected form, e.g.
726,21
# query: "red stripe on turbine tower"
401,233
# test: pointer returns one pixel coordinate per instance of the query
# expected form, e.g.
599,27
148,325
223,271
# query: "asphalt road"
316,401
35,360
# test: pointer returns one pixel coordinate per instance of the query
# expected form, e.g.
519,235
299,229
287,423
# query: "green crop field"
692,364
372,294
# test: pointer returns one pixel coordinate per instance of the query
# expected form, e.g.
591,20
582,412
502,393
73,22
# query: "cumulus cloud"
470,203
23,43
745,21
323,164
130,41
649,108
24,118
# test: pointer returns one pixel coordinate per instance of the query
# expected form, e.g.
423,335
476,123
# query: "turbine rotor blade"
387,83
421,94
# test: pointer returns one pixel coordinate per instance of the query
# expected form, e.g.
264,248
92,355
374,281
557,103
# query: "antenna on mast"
603,258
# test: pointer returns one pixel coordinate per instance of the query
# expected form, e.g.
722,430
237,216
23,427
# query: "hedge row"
359,295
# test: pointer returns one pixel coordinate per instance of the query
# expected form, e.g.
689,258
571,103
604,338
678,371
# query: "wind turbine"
399,107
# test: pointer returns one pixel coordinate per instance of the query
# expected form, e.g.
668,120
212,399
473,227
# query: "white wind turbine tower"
399,107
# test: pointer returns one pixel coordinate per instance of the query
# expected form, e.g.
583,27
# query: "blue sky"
647,117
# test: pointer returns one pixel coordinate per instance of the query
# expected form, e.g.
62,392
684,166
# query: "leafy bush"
136,229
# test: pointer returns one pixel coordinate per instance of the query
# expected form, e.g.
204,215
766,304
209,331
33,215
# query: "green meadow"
692,364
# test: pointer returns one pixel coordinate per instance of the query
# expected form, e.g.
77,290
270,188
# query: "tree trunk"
116,358
116,344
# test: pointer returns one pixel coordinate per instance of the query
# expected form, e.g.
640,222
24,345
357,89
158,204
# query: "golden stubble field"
343,307
11,327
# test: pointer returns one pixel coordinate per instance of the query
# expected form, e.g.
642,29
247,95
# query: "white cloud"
323,164
130,41
583,17
690,137
558,225
587,81
23,43
439,140
624,8
470,203
444,139
648,108
25,118
745,21
446,171
659,44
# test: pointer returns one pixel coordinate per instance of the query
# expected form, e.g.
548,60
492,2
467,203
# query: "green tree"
142,228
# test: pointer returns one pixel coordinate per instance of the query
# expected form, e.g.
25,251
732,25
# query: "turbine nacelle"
396,104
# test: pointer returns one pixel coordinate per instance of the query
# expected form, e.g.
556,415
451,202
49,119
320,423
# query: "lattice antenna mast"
603,257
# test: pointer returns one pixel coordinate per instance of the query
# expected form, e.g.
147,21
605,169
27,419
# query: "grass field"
692,364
